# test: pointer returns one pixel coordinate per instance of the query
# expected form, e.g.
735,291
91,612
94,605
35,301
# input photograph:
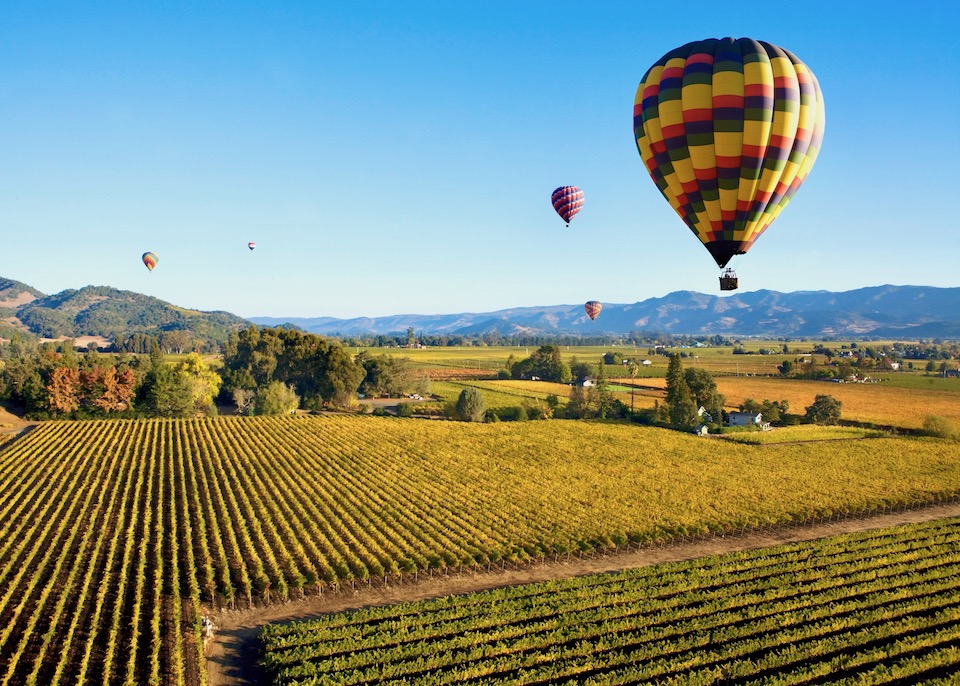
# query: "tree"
824,410
276,398
204,382
579,371
169,393
785,367
546,364
581,403
243,399
615,357
343,377
601,390
681,407
63,390
704,391
471,406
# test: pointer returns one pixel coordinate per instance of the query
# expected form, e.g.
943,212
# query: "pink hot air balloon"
251,245
592,308
567,201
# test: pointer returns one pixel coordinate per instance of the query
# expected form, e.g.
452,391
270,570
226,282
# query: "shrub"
941,427
471,406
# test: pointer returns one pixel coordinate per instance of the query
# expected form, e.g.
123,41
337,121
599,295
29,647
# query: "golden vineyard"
117,536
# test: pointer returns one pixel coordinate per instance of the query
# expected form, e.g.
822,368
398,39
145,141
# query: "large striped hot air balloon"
567,201
728,130
150,260
592,308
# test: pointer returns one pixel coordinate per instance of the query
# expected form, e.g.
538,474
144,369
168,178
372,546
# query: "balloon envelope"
150,259
251,245
592,308
728,129
567,201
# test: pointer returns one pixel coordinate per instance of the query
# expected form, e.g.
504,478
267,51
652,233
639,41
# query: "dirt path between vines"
233,653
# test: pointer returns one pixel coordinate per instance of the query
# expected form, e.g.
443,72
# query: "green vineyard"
117,536
880,607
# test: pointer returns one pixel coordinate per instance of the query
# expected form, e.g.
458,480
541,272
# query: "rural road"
232,654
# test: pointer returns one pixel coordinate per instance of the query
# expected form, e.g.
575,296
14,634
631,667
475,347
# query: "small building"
589,382
704,415
701,430
646,363
747,419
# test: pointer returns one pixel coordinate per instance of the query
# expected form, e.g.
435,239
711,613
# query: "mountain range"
881,311
909,312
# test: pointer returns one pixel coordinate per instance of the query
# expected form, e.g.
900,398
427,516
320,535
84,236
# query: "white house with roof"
747,419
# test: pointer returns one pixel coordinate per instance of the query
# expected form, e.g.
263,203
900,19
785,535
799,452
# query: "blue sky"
399,157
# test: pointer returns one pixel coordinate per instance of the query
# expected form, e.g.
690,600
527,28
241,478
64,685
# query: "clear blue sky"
398,157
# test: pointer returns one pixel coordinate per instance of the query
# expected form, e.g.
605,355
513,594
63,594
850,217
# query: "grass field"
806,432
874,608
114,533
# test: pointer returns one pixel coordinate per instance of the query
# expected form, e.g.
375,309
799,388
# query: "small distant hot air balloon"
728,130
150,259
567,201
251,245
592,308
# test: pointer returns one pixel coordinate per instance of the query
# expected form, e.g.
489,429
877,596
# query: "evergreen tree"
471,406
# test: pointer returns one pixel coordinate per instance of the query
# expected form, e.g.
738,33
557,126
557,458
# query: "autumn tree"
63,390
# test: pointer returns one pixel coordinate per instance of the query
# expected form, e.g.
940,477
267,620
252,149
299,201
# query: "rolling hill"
103,311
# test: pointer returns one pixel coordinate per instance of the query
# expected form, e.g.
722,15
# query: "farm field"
877,403
510,392
881,607
115,535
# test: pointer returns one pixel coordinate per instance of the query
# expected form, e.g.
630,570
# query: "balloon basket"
729,281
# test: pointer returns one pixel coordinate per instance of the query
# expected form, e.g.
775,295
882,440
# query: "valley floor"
233,652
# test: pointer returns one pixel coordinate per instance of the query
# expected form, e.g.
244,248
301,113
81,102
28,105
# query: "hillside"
104,311
881,311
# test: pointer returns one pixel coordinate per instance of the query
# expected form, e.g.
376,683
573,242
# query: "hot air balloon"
592,308
150,259
728,130
567,201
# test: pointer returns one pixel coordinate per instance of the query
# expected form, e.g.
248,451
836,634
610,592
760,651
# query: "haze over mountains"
881,311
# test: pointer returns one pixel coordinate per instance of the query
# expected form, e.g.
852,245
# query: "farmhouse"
747,419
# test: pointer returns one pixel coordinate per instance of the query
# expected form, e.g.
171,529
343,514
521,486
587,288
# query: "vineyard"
115,535
876,608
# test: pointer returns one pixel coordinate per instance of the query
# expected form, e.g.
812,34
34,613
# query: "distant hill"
880,311
104,311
